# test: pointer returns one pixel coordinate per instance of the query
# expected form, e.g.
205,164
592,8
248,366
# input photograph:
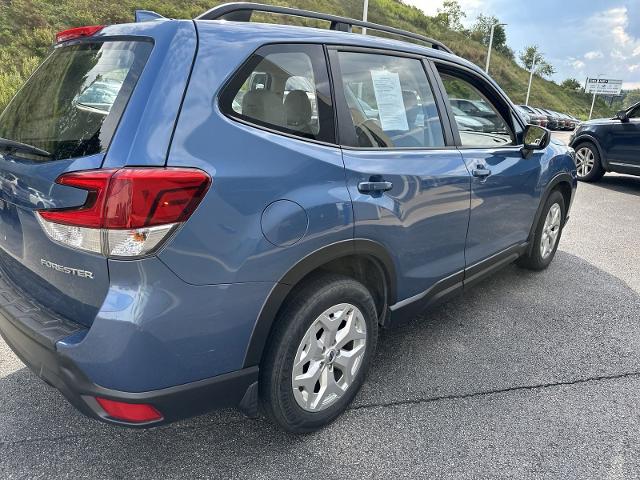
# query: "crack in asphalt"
395,403
463,396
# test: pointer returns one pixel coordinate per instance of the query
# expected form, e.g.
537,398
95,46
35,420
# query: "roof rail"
242,11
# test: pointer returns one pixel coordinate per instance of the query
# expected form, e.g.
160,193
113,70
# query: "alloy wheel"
585,161
329,357
550,231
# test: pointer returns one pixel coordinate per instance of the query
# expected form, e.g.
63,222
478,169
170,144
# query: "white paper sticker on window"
388,92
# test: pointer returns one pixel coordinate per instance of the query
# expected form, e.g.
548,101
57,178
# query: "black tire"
597,172
533,259
299,313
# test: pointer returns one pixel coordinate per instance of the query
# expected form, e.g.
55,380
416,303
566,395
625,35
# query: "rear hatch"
61,121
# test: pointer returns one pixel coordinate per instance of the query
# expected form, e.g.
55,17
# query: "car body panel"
154,330
146,127
223,242
429,201
502,205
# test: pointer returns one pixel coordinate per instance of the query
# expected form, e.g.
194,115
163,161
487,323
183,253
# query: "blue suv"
201,214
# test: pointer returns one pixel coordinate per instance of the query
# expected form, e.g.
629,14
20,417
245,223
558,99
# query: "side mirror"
622,116
535,138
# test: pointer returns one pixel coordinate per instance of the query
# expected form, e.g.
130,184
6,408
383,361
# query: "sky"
580,38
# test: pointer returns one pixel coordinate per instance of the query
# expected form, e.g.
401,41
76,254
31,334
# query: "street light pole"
365,13
593,101
493,27
533,69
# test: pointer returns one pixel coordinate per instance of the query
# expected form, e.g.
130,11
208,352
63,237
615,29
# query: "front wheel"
547,234
319,353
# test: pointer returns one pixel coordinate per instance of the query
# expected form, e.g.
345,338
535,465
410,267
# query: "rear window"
72,104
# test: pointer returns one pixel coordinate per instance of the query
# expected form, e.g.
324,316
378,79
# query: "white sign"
386,86
603,86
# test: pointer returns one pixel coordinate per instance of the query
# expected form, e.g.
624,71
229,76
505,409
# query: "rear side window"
390,101
72,104
284,88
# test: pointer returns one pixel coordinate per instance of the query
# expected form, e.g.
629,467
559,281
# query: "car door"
409,186
504,188
624,142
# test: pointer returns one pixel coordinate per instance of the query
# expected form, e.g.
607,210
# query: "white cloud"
577,64
618,55
593,54
609,31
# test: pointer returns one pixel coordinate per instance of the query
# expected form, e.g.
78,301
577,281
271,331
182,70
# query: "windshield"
71,105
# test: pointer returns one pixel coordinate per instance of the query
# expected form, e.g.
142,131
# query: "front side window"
390,101
71,105
479,122
285,88
635,112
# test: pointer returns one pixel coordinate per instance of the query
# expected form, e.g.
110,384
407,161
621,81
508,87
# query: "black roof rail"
242,11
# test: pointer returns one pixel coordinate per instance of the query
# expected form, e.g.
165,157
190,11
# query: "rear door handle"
481,172
374,187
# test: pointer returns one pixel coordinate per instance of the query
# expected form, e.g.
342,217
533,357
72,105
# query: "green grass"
27,29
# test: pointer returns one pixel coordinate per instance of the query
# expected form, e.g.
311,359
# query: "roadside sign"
603,86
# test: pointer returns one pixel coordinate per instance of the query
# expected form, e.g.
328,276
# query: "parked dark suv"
608,145
226,213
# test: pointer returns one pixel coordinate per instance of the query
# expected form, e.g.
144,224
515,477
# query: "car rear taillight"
129,412
127,212
78,32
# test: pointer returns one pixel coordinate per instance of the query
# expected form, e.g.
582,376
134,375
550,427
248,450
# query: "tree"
571,84
543,68
451,15
631,98
481,30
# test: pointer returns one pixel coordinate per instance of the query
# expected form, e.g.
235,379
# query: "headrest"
265,106
297,107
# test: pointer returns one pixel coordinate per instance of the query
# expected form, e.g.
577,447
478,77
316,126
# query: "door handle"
481,172
374,187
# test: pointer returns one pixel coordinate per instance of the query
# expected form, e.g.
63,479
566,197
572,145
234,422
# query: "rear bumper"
235,389
44,341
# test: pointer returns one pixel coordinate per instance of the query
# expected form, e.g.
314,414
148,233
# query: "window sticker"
388,92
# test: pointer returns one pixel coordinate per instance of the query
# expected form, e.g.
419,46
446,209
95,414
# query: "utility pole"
365,14
595,92
533,68
493,27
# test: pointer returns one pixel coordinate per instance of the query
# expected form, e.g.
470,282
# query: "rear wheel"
588,164
547,235
319,353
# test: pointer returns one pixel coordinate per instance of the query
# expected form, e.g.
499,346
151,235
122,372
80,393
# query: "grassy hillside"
27,29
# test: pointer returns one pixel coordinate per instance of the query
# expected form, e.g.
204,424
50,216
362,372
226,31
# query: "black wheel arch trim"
563,177
586,137
310,263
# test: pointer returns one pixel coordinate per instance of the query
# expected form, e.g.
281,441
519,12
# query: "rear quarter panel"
223,241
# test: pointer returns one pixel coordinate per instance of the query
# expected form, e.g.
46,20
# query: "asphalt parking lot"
528,375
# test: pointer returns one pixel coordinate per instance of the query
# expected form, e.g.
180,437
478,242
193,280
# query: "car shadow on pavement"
518,330
621,183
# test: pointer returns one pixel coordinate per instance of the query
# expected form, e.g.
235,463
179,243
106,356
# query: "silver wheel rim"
585,161
329,357
550,230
